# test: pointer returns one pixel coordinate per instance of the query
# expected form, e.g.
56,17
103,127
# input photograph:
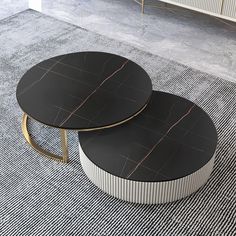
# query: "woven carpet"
41,197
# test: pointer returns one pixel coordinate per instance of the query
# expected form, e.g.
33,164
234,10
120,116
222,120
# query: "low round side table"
143,146
82,91
164,154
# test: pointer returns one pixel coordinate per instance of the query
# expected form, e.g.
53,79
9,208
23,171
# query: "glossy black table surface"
170,139
84,91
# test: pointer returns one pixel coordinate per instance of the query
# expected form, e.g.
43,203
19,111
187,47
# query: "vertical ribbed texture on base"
229,8
145,192
209,5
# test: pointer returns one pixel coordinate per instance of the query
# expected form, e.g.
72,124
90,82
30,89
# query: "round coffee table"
82,91
164,154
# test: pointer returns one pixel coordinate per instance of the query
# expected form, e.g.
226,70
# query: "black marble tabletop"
85,90
171,138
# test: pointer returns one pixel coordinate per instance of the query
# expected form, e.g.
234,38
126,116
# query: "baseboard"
199,10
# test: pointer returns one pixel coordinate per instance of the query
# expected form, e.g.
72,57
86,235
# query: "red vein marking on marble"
37,81
105,63
146,167
94,91
122,170
160,140
81,117
74,67
66,76
58,112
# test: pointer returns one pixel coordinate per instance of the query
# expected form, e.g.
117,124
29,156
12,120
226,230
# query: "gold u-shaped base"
34,145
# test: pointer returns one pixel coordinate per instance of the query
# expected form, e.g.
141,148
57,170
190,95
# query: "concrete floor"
200,41
11,7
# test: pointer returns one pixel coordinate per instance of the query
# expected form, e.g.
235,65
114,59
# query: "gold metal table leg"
142,6
33,144
64,145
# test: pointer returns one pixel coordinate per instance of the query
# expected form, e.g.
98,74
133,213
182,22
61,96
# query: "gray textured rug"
42,197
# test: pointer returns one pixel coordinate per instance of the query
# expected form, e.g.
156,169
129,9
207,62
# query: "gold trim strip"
94,129
113,125
34,145
63,135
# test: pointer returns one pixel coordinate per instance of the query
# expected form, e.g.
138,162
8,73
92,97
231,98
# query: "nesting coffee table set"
135,144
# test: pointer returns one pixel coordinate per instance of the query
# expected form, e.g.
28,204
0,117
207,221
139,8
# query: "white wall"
35,4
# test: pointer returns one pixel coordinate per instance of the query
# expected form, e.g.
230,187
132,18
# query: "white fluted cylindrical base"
145,192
